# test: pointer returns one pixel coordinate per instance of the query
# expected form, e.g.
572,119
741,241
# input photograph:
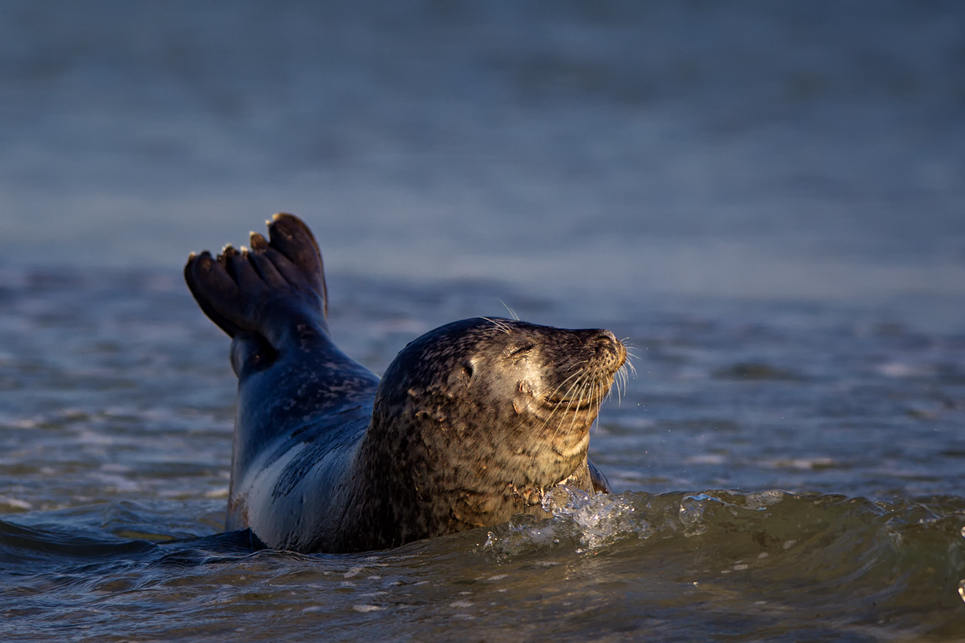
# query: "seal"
470,424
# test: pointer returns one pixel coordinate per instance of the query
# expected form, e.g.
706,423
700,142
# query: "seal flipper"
200,268
599,481
292,238
265,290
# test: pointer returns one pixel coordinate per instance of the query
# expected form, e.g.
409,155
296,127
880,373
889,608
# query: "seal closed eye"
470,424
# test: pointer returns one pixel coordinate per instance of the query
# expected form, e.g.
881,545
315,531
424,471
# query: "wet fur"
470,424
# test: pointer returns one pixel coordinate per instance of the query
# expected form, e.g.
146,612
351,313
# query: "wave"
883,566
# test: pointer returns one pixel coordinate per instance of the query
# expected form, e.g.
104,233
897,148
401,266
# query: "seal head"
480,417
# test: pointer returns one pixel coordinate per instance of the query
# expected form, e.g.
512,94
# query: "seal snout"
607,348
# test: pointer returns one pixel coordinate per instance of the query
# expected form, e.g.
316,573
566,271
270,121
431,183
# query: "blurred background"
775,149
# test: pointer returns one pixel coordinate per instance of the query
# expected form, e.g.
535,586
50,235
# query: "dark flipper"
292,238
600,483
256,290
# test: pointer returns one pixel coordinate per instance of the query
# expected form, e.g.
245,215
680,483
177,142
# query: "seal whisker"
567,396
498,324
594,401
570,399
596,420
629,364
628,369
587,382
579,372
622,377
577,400
558,408
512,313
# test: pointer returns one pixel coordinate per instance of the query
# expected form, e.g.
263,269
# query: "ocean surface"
766,200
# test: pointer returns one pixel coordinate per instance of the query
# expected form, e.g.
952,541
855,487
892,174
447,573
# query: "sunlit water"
782,471
765,199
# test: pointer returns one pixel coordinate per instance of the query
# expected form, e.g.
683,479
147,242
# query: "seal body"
470,424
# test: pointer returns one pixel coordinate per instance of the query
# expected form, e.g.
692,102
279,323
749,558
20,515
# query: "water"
819,452
765,200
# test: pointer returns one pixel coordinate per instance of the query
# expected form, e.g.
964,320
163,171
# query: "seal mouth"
576,403
597,393
590,383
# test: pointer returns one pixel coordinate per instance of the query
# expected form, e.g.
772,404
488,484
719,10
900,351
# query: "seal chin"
577,449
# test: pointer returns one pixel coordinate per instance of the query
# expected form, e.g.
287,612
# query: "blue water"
745,149
767,200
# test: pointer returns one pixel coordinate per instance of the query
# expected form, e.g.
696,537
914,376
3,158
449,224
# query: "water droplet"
961,589
963,532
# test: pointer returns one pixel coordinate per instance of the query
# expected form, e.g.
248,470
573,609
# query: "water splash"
587,521
691,514
601,519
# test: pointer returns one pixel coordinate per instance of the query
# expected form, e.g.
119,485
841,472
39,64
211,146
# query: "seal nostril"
606,346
